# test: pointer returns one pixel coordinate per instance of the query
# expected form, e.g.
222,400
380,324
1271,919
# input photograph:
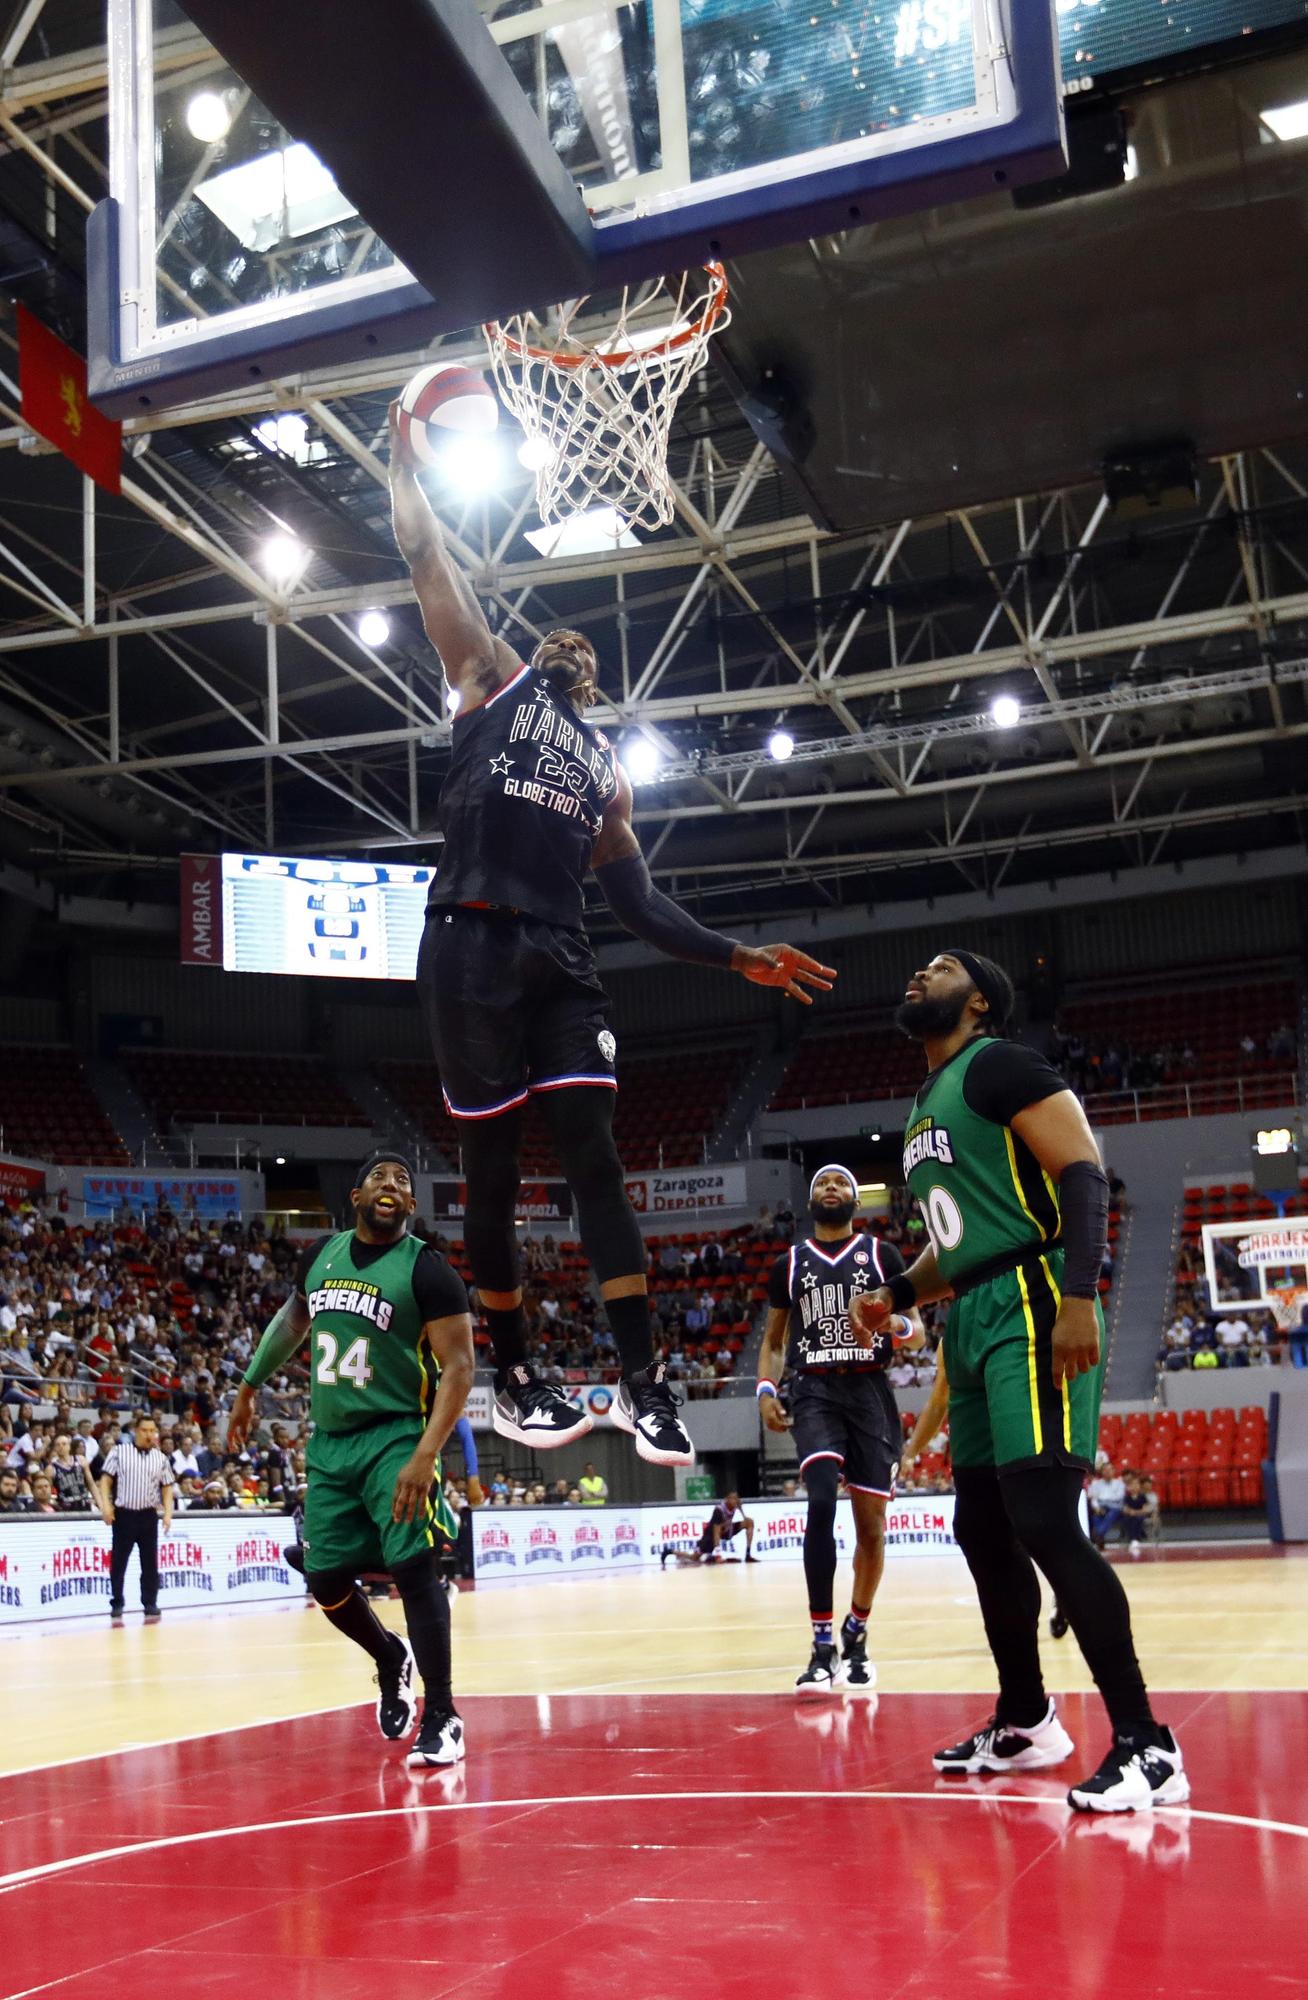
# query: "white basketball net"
596,408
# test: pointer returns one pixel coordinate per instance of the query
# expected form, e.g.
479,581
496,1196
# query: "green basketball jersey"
368,1360
982,1192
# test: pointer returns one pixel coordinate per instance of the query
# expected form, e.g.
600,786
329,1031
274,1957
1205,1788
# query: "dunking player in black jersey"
534,798
845,1418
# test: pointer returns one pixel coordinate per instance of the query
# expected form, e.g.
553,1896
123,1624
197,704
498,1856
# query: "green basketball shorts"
1003,1407
347,1511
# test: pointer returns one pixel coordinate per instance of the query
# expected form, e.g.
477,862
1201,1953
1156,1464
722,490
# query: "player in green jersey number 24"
1000,1157
390,1370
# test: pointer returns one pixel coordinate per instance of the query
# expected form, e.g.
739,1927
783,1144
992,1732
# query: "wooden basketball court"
645,1805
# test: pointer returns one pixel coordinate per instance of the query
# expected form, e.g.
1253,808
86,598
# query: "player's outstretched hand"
871,1315
241,1418
476,1491
773,1414
412,1486
1076,1340
782,965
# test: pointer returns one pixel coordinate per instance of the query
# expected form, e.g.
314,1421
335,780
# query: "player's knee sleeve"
330,1587
1041,1504
581,1125
490,1168
822,1481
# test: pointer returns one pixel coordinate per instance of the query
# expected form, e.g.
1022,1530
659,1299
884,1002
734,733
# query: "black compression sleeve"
439,1292
1083,1203
640,908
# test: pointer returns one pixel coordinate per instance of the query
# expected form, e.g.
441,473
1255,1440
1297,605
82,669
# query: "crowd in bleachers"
1221,1035
1240,1331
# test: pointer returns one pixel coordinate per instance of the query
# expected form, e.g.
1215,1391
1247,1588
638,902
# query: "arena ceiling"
159,692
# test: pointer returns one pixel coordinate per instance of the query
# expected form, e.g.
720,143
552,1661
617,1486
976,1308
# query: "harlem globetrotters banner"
59,1568
522,1544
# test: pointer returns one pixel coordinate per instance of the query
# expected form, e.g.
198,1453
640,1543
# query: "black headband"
390,1153
991,982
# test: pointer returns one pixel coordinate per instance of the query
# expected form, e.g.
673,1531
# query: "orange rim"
700,328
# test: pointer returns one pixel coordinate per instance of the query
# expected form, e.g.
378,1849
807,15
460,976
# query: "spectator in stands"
43,1499
1206,1358
1137,1511
1281,1044
1299,1339
1260,1355
1232,1332
72,1483
594,1489
12,1499
1107,1494
1248,1050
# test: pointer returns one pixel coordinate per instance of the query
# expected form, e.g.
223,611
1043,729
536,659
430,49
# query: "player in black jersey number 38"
534,798
844,1414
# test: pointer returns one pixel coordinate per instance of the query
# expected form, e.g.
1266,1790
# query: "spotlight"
1005,711
780,745
285,559
286,433
472,461
208,118
535,453
452,700
374,628
641,759
280,1161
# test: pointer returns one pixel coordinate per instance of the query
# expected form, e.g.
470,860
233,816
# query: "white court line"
43,1869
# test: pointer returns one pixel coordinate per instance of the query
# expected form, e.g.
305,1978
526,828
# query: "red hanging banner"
52,378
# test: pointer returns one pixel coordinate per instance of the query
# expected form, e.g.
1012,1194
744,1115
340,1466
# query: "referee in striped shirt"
134,1479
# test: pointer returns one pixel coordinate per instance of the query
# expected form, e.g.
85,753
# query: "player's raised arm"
474,660
628,889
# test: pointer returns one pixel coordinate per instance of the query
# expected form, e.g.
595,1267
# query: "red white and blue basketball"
443,398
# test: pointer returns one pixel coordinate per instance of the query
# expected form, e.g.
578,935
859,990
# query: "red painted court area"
670,1847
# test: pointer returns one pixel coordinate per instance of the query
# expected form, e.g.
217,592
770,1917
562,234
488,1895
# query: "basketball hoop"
596,410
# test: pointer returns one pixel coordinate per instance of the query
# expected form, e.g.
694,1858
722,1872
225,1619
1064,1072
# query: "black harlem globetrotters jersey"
815,1282
522,803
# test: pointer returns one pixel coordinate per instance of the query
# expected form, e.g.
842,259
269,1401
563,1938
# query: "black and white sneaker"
535,1413
1142,1770
998,1746
860,1674
1058,1623
647,1408
440,1740
822,1674
396,1702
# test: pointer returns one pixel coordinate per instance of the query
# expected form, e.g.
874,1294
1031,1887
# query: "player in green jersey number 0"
1001,1159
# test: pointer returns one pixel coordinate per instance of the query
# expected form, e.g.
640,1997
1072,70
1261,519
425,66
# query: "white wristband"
765,1388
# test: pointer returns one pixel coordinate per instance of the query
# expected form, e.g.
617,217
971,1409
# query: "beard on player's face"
385,1209
833,1214
925,1019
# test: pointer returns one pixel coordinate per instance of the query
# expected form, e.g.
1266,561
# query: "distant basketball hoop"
596,409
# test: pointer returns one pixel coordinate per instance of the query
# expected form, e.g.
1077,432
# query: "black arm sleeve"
779,1284
1007,1077
1083,1208
628,889
439,1291
305,1264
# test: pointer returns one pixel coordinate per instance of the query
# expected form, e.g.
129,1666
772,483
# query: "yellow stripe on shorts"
1067,1397
1037,1428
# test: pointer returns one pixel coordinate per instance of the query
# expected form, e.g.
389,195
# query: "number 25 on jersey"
353,1365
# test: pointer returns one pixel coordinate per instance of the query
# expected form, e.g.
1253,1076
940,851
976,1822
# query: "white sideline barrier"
53,1568
525,1543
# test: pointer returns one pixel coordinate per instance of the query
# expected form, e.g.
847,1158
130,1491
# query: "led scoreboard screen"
332,919
1098,37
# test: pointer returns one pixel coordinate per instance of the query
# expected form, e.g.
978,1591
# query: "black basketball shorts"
851,1418
513,1006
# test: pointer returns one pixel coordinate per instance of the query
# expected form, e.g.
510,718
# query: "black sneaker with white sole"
647,1408
535,1413
822,1674
396,1702
1142,1770
859,1670
1001,1746
440,1739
